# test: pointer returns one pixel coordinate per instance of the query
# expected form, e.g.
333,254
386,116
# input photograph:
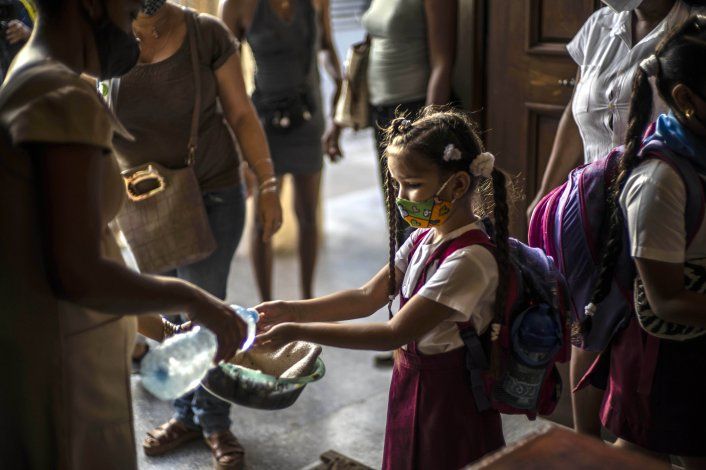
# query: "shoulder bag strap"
193,47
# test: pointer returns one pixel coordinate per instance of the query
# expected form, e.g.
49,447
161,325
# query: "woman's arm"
329,59
242,118
232,13
151,326
567,154
417,318
667,295
70,184
343,305
441,27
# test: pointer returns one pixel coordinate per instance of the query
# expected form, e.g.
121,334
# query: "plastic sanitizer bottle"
179,363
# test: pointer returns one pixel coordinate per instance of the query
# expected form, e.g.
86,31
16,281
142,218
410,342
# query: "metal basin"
254,389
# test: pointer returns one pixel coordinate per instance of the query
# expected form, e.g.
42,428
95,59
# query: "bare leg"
306,203
261,254
586,403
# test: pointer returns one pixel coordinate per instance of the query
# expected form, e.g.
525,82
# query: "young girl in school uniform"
435,164
655,395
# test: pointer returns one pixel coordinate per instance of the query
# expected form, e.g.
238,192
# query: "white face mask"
620,6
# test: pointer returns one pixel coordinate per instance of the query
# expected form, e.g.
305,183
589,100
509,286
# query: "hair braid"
502,257
392,227
638,119
500,224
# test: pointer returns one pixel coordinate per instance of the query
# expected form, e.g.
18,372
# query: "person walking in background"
16,22
69,303
286,37
155,101
608,49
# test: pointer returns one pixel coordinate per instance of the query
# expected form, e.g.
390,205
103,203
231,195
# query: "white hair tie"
650,66
451,153
482,166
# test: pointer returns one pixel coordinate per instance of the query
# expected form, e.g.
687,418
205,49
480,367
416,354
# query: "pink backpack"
571,226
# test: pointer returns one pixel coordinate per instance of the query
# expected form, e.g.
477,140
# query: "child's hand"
276,337
274,313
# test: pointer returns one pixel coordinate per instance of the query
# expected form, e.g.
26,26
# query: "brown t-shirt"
155,103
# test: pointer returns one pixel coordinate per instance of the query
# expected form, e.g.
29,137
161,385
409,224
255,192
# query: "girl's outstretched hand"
276,337
276,312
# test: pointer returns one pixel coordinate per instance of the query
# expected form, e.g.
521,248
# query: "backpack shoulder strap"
416,241
446,249
695,198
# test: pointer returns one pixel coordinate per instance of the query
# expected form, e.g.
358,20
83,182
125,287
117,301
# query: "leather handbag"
164,219
352,109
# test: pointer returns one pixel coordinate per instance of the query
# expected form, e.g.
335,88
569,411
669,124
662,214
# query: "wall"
207,6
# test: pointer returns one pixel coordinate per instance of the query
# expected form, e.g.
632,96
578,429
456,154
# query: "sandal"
227,452
168,436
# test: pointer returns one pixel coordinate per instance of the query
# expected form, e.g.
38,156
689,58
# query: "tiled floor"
346,410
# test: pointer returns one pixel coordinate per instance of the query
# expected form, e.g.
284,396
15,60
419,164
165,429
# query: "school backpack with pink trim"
533,334
571,226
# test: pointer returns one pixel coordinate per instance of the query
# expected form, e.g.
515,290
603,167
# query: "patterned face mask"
150,7
428,213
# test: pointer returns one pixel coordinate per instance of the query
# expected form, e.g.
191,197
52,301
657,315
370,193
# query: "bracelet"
170,329
269,189
269,181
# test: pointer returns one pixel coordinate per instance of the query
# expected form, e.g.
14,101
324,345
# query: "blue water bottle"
536,339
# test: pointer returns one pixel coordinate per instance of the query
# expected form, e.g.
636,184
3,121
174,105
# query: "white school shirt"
653,201
465,282
607,59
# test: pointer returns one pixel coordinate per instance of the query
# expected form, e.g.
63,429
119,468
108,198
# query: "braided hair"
679,58
434,129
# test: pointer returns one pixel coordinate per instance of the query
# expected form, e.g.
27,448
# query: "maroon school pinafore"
654,391
432,419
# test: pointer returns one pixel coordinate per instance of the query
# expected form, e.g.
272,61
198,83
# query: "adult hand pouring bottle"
180,362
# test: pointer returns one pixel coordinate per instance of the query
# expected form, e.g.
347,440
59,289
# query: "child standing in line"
435,165
655,395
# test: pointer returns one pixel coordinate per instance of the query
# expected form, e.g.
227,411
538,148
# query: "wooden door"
530,78
529,81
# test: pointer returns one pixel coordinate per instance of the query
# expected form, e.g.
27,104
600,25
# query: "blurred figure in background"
287,37
16,22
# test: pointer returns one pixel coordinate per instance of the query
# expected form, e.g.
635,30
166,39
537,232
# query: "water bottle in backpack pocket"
536,339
